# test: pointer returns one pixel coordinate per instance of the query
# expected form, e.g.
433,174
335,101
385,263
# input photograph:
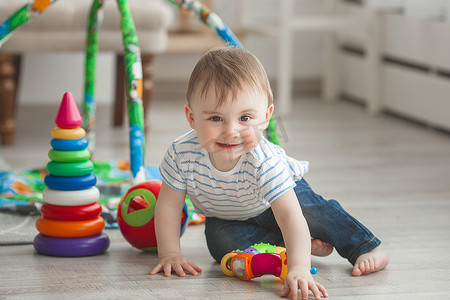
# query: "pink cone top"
68,116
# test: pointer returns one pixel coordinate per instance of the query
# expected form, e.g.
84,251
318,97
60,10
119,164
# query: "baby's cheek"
252,141
207,143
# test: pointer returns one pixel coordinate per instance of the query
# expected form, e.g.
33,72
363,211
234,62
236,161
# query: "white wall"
45,77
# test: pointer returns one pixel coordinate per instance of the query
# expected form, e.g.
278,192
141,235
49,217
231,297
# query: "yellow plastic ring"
279,249
224,263
284,268
68,134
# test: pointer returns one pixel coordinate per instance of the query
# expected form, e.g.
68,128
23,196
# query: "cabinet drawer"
422,96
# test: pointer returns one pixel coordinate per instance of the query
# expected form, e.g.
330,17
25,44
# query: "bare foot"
370,262
320,248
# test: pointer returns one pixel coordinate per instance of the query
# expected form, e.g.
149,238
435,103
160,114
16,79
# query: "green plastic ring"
70,169
69,156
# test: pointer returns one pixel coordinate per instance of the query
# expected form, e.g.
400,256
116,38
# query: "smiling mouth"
226,146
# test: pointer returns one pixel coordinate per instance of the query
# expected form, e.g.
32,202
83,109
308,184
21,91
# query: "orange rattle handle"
241,266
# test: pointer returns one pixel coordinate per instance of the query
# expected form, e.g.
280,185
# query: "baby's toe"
372,265
357,270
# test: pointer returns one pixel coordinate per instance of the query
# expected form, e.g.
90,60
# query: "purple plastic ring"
71,247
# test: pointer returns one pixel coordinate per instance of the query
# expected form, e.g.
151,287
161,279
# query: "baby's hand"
178,263
303,280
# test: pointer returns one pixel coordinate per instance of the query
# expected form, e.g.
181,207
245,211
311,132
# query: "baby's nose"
231,130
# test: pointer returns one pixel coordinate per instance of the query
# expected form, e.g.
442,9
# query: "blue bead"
70,183
313,270
69,145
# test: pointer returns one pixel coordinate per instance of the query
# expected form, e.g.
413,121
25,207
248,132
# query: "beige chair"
63,28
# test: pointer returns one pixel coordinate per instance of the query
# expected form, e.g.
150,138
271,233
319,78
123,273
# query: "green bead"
69,156
70,169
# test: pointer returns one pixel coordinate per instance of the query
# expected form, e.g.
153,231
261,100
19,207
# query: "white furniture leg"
285,54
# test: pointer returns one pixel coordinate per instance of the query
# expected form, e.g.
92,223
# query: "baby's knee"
220,245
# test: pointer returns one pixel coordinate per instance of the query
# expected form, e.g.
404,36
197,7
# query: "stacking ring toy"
70,169
71,213
71,247
70,183
70,229
68,134
69,156
71,198
69,145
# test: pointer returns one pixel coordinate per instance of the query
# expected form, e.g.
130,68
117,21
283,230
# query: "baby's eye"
245,118
215,119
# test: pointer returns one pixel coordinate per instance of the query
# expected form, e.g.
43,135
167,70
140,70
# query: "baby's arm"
297,239
167,228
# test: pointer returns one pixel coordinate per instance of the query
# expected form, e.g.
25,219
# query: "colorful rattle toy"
135,215
256,261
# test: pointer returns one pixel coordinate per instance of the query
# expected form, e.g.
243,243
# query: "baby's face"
232,129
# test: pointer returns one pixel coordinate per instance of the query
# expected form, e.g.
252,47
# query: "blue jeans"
327,221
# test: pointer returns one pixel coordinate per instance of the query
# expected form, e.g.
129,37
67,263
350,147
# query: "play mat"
21,191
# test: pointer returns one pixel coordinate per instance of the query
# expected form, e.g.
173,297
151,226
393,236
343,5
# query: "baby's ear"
269,113
189,115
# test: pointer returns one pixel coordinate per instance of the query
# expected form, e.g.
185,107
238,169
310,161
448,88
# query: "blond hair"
229,70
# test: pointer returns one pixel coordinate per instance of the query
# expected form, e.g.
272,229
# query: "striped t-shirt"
260,176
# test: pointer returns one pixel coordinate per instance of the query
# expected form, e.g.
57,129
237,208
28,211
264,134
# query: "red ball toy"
135,215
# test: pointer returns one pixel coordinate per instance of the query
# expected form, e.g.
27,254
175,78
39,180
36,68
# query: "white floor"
393,175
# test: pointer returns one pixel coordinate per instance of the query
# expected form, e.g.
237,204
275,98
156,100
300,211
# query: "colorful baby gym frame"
133,66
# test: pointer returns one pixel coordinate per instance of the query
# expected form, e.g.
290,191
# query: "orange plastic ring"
70,229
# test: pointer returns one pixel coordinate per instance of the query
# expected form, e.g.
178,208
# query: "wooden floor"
393,175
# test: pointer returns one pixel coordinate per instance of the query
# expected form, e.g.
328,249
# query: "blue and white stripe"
260,177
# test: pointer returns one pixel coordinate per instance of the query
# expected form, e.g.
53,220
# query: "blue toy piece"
69,145
70,183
